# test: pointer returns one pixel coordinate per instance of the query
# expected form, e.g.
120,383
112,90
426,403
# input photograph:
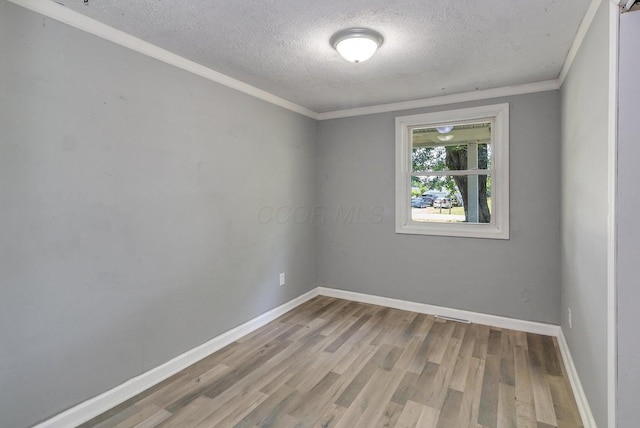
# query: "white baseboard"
109,399
486,319
423,308
581,399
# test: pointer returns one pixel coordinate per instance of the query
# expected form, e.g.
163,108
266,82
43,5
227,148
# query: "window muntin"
446,160
462,156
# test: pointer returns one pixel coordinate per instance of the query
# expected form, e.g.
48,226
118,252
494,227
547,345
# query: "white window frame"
498,114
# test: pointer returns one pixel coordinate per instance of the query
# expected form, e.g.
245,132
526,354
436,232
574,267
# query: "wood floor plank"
364,376
154,420
314,396
310,412
347,359
440,334
563,395
525,406
408,387
353,346
417,328
339,341
432,347
470,406
335,325
233,411
428,417
390,415
306,328
409,354
283,369
507,415
330,417
450,412
230,377
264,375
410,415
550,359
507,365
140,416
393,319
482,341
260,336
543,401
520,339
567,414
436,393
403,332
312,309
113,418
189,415
277,416
184,391
488,415
331,362
461,368
268,407
494,345
362,412
377,398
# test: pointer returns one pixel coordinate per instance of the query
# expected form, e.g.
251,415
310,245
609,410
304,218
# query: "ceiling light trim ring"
356,33
352,33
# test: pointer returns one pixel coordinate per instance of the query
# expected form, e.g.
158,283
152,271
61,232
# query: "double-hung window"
452,173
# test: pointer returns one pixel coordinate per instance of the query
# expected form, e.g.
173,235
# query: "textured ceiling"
431,47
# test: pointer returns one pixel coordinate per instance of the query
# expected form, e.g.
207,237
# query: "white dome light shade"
357,50
356,44
444,129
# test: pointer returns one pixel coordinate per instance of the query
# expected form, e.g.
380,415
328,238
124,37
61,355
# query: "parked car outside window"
428,199
442,203
421,202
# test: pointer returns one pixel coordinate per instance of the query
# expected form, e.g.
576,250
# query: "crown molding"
67,16
580,35
60,13
505,91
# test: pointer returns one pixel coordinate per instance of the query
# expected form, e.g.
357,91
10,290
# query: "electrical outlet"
569,317
282,278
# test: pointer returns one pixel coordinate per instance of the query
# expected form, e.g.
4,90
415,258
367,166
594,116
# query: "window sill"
486,231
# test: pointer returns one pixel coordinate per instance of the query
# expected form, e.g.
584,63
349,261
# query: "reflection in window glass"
464,149
432,150
452,173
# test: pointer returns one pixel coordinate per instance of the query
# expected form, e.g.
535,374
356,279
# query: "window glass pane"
451,199
450,148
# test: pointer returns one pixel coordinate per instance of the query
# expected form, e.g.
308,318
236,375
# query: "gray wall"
129,200
584,211
515,278
628,206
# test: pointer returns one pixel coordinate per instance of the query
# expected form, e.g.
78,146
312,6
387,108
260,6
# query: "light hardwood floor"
336,363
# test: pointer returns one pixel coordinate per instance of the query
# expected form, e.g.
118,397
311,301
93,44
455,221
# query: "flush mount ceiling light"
444,129
356,44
